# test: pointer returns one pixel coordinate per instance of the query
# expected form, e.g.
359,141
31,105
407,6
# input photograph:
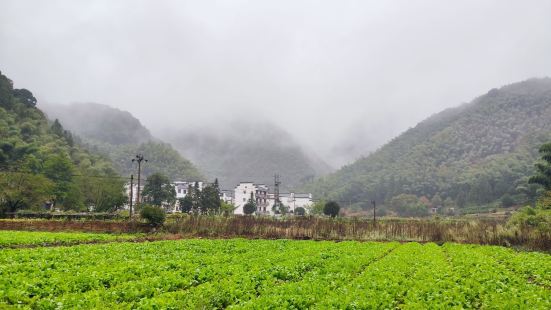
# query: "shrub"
249,208
300,211
331,208
537,218
155,216
507,201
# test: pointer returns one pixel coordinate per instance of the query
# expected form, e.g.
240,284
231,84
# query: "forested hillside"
120,136
245,151
40,164
476,154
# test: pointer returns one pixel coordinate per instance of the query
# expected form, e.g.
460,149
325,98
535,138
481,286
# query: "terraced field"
267,274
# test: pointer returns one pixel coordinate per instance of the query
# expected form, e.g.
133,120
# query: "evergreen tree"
186,204
250,207
543,176
57,129
196,197
331,208
210,199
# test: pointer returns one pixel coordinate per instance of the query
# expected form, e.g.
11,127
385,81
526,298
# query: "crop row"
12,238
264,274
534,266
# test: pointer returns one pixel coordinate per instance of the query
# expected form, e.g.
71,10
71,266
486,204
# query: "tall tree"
23,191
159,190
331,208
210,199
60,170
6,92
186,203
25,96
57,129
543,175
103,194
196,194
250,207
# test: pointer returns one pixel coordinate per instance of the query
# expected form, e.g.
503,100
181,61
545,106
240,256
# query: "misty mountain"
474,154
248,151
120,136
99,123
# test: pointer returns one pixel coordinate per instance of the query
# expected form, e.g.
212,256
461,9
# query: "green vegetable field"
273,274
9,238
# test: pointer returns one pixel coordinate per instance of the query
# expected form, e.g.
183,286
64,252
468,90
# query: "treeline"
160,192
478,154
42,167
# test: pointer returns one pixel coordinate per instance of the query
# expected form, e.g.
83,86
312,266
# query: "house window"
244,199
244,192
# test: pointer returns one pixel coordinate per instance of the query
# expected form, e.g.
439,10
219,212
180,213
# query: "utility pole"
374,207
131,192
276,192
139,158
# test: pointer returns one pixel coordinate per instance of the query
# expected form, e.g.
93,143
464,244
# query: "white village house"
265,200
238,197
181,188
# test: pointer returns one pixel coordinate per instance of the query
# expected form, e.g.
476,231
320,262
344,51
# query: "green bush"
155,216
507,201
331,208
300,211
537,218
249,208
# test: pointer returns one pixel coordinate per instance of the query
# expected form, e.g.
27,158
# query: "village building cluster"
260,193
265,200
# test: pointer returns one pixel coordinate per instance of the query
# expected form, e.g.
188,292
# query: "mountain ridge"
451,153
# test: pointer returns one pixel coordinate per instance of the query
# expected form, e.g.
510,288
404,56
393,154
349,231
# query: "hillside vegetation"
40,164
120,136
475,154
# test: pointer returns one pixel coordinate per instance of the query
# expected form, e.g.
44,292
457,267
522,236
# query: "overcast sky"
341,76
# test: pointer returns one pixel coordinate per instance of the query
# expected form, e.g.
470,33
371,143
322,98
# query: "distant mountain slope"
248,152
99,123
120,136
474,154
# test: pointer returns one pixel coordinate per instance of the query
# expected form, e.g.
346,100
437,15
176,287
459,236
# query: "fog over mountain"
341,77
243,151
248,151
